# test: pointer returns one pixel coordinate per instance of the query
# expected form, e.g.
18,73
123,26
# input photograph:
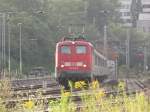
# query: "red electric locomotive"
76,59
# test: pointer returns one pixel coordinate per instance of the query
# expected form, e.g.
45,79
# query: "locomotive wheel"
63,82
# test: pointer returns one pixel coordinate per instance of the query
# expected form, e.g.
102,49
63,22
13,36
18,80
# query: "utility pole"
9,32
20,47
145,57
128,49
3,46
1,41
116,69
105,41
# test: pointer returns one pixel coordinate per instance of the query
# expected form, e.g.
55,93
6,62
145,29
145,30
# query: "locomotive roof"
81,42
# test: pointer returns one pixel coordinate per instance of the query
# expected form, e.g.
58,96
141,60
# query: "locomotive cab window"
65,50
81,49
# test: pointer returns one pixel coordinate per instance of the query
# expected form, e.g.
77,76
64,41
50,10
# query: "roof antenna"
83,28
70,29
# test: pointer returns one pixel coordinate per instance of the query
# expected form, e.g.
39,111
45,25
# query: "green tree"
44,22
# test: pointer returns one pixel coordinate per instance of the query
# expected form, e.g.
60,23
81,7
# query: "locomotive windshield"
65,50
80,49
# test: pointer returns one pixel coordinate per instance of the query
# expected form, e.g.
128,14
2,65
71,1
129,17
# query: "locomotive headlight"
62,66
84,65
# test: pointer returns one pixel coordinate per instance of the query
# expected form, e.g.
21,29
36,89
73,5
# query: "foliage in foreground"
94,101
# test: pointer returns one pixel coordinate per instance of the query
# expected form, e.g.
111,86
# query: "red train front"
73,60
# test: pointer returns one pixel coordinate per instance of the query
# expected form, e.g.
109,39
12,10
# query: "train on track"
77,59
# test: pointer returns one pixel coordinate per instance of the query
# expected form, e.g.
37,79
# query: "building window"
125,6
127,21
126,14
144,29
146,6
149,29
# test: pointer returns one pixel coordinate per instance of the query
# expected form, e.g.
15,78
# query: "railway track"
54,88
27,87
135,85
50,90
34,83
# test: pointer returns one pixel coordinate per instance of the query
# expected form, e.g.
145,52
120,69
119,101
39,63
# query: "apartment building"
125,12
146,6
143,23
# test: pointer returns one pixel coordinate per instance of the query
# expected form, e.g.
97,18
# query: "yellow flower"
66,94
95,84
28,104
100,94
80,84
121,85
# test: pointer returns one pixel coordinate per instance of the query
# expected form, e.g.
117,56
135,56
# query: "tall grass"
5,93
97,101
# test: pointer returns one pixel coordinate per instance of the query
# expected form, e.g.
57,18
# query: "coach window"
105,63
80,49
65,50
95,59
99,61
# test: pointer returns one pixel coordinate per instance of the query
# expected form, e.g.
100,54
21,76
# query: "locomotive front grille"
67,64
78,64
